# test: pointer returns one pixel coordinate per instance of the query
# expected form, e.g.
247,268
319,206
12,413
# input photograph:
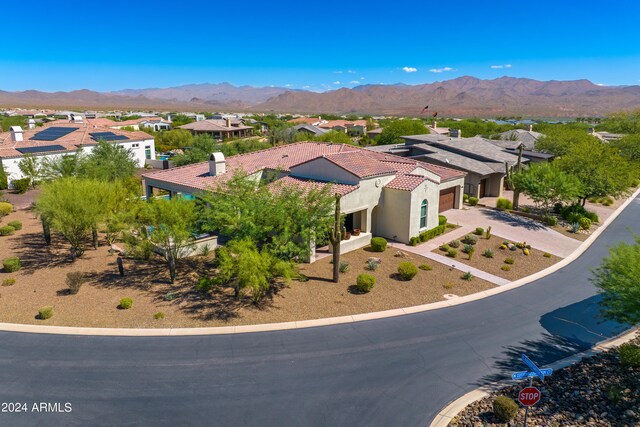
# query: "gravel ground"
598,391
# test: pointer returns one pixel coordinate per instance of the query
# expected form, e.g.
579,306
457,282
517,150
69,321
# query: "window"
147,153
135,145
423,214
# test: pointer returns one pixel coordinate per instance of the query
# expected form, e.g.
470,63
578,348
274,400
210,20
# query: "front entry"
483,188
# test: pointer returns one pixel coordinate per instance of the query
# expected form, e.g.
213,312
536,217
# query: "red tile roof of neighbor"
213,125
344,123
360,162
71,141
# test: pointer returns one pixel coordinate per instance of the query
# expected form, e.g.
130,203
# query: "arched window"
423,214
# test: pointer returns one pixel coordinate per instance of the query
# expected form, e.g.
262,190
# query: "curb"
454,408
220,330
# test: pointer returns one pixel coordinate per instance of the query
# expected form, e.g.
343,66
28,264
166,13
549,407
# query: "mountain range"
463,96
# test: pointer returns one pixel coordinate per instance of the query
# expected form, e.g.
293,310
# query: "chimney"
435,124
228,121
530,128
455,133
217,164
32,124
16,133
591,130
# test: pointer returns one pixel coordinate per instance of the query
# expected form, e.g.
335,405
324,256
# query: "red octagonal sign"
529,396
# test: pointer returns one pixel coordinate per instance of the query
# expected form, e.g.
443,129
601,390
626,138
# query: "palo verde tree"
108,162
392,132
547,185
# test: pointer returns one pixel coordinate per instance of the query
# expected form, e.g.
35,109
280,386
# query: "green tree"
559,139
109,162
622,122
30,167
546,185
629,147
61,166
171,139
392,132
617,281
4,179
201,148
334,136
170,226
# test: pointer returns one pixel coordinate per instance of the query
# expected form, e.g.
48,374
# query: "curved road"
391,372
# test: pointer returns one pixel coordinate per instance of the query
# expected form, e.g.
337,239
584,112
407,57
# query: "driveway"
389,372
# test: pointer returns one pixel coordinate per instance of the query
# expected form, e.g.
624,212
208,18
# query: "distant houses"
220,129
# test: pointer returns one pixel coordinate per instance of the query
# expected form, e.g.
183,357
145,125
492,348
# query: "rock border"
220,330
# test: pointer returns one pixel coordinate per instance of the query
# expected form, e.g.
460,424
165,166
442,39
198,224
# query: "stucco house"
64,137
382,194
220,129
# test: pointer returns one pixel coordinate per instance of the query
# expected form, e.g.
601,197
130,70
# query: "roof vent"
285,155
16,133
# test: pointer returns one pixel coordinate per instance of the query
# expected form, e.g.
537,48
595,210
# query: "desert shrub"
7,230
465,198
454,244
525,209
585,223
414,241
574,217
470,239
343,267
442,220
445,247
546,255
205,250
479,231
608,201
125,303
574,227
513,248
467,276
407,270
378,244
504,408
5,209
159,315
505,268
365,282
372,264
509,261
504,204
169,296
550,220
425,267
451,252
568,210
473,201
45,313
11,264
9,282
629,355
487,233
488,253
21,185
526,251
450,225
74,281
205,284
503,246
591,215
467,248
17,225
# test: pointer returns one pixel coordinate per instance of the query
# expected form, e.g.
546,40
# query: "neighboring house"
220,129
353,128
513,138
374,133
310,129
483,162
605,136
66,137
155,123
382,194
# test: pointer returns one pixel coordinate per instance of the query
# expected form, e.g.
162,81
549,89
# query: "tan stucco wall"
324,170
393,215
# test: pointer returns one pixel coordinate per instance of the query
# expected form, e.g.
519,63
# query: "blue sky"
113,45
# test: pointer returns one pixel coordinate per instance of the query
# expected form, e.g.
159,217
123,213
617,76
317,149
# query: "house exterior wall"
430,192
392,216
365,198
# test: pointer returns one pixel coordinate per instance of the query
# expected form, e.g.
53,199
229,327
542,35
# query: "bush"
585,223
470,239
608,201
569,210
452,252
574,217
17,225
365,282
629,355
45,313
574,227
465,198
467,248
546,255
5,209
74,281
7,230
473,201
169,296
407,270
504,204
467,276
414,241
430,234
425,267
504,408
505,268
343,267
509,261
591,215
479,231
125,303
445,247
454,244
488,253
372,264
378,244
11,264
550,220
557,208
9,282
21,185
159,315
205,284
283,269
442,220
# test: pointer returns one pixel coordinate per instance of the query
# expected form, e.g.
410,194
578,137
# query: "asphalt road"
390,372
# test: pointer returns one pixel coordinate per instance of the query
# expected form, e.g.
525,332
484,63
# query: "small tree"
547,185
108,162
30,168
335,236
170,226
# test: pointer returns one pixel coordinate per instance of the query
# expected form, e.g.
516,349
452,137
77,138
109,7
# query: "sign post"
530,395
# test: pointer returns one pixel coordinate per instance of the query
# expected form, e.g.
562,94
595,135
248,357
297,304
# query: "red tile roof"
360,164
408,182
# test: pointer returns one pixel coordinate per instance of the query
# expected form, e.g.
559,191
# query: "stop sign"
529,396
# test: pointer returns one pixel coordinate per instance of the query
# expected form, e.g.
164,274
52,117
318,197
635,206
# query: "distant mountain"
221,93
463,96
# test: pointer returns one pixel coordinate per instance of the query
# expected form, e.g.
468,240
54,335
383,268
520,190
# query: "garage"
447,199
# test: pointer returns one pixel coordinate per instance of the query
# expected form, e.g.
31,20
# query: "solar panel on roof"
52,133
41,149
107,136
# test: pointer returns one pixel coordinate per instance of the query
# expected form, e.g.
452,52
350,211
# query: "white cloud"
306,87
351,72
441,70
288,85
354,82
501,66
362,78
409,69
337,82
338,72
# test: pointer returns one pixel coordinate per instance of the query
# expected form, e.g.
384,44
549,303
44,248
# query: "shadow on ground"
513,220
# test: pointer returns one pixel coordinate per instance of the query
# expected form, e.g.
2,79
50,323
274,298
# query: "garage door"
447,199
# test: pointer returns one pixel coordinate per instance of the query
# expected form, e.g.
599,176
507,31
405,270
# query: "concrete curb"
220,330
454,408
